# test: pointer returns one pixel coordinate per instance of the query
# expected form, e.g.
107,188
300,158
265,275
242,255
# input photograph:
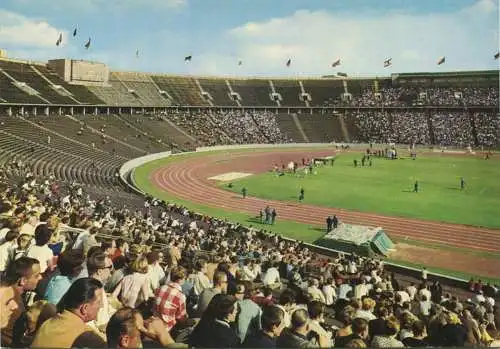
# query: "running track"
188,179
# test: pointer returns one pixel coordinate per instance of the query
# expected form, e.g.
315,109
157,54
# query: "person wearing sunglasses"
100,267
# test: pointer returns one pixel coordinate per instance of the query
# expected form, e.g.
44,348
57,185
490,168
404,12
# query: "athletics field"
449,230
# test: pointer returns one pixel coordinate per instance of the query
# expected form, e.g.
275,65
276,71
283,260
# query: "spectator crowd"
412,95
449,128
229,127
78,272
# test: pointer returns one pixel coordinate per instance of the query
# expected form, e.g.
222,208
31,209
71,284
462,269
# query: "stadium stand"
325,92
321,127
157,128
200,125
50,153
81,94
253,92
142,86
219,91
62,169
290,126
290,92
113,127
182,89
73,129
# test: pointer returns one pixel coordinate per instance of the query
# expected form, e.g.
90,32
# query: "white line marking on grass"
230,176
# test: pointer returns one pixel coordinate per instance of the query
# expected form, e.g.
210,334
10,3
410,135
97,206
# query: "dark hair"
315,309
80,292
18,269
219,276
94,249
382,312
44,217
200,263
267,291
122,322
96,261
418,328
219,307
42,235
119,242
5,207
359,325
288,296
271,316
69,262
119,262
11,235
106,244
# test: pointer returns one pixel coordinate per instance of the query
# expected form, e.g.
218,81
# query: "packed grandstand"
87,263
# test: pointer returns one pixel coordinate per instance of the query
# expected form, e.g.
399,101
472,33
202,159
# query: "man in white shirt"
360,290
424,274
425,292
411,290
314,292
272,277
405,297
247,273
155,274
78,245
478,298
10,242
329,292
200,279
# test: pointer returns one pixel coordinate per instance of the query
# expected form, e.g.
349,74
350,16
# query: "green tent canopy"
362,240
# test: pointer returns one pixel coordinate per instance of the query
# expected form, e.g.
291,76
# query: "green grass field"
387,188
485,171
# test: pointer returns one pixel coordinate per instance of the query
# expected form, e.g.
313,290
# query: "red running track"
188,179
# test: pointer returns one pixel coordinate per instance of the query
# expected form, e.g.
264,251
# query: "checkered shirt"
170,304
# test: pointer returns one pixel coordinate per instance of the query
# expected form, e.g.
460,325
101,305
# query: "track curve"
188,179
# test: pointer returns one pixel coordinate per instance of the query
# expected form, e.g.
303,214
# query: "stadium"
241,211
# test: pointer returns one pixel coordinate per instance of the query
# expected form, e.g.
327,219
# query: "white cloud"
20,31
467,37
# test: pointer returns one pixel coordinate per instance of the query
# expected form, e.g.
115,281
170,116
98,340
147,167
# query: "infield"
387,188
446,248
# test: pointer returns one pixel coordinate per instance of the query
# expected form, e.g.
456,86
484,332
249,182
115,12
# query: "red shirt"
170,304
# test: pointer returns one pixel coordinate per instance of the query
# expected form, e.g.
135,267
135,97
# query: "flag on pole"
59,40
288,62
387,62
497,55
74,32
188,58
336,63
441,60
87,45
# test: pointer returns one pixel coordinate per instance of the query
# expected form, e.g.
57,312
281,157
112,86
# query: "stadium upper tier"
30,83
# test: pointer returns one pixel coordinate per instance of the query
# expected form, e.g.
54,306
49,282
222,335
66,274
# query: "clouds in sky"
363,39
19,31
467,37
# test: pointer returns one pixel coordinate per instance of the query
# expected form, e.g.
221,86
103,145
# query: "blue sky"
261,33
